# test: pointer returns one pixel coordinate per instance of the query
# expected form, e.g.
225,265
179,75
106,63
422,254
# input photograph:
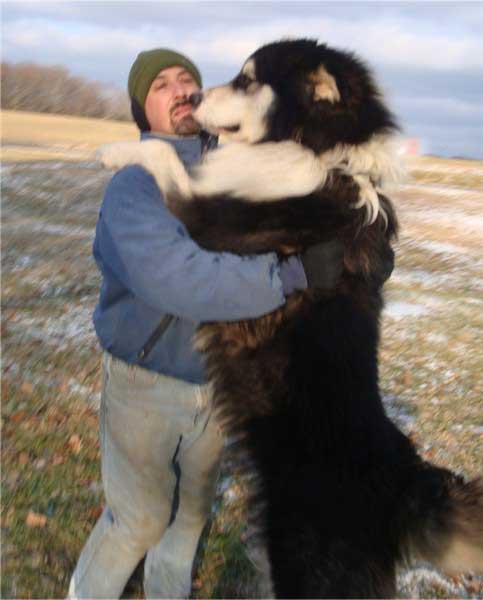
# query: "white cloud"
380,41
45,38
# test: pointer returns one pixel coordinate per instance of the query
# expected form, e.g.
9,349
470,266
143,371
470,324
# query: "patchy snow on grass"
398,413
86,393
38,227
442,247
417,582
426,279
59,330
40,199
475,429
431,279
466,223
400,310
6,170
22,262
436,338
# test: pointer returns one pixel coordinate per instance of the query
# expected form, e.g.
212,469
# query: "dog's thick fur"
341,494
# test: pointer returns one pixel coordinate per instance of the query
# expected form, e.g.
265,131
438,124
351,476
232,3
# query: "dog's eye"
242,81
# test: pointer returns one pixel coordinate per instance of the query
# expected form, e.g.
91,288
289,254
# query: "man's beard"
186,126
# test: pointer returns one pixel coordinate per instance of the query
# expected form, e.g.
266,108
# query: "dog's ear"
323,85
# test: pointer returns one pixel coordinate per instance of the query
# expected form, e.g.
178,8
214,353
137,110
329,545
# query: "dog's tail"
443,518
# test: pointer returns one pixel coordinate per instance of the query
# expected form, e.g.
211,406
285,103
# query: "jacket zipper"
155,336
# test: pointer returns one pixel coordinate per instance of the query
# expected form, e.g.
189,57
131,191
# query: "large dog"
341,494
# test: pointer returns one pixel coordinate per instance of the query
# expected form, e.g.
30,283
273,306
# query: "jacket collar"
189,149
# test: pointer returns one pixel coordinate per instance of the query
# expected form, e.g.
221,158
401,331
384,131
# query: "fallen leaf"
56,417
18,416
57,459
414,437
64,386
96,512
27,388
91,412
24,458
31,423
75,443
407,378
35,519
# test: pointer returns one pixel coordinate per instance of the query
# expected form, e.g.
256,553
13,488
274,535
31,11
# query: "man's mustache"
178,104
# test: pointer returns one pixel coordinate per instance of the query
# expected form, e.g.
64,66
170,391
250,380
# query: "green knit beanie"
148,64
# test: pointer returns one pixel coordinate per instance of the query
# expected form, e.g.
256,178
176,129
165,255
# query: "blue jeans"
160,445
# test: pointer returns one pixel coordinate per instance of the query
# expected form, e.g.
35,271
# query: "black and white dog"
342,496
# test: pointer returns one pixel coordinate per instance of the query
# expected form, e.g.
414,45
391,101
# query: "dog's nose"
195,99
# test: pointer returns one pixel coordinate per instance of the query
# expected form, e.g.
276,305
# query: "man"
160,442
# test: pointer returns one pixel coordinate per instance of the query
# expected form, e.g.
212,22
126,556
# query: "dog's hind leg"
444,518
308,563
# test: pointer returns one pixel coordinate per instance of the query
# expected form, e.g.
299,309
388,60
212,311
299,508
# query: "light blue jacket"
158,284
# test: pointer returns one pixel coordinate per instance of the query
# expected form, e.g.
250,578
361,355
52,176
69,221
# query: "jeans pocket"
129,377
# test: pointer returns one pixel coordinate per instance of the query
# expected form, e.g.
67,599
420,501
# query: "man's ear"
324,85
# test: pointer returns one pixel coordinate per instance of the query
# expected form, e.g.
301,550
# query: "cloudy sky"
427,56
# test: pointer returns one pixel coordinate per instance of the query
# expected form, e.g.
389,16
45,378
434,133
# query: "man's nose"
180,89
195,99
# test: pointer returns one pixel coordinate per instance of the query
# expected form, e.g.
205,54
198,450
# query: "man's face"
167,108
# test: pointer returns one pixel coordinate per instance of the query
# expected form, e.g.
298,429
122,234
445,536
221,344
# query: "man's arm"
170,272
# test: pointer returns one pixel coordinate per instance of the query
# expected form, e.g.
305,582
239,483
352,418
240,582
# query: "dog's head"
298,90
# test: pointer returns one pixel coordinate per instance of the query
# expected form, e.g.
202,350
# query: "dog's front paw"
368,199
118,154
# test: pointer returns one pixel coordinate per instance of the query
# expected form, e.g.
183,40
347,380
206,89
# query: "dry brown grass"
467,174
33,136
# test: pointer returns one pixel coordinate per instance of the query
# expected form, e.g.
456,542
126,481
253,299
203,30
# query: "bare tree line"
38,88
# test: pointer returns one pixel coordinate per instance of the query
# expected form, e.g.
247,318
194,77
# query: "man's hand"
323,265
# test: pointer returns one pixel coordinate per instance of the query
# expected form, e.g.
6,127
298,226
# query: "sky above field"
427,56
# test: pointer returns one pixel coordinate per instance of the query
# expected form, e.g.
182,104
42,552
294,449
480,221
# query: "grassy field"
431,358
34,136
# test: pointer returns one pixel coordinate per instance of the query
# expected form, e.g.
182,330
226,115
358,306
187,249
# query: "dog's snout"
195,99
